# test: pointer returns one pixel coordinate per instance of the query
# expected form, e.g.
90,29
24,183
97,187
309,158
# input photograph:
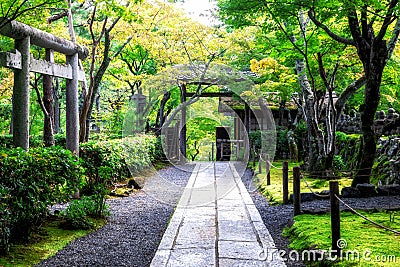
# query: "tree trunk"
367,150
374,62
48,129
161,115
314,134
282,105
56,106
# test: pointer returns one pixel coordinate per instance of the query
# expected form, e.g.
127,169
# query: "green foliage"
347,148
282,146
30,182
338,163
112,161
79,212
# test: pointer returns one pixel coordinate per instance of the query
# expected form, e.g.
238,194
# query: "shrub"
79,211
282,146
30,182
33,180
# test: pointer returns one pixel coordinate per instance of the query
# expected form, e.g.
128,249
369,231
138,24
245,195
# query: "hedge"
32,180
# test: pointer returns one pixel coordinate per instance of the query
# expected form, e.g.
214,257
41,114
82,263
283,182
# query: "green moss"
274,191
43,244
313,231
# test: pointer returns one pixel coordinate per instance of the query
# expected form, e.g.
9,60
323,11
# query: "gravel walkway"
133,232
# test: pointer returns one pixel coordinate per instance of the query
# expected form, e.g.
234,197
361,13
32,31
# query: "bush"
79,211
347,147
33,180
282,146
111,161
30,182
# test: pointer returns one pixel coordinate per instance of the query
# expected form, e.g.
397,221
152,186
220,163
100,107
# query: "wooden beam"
19,31
13,61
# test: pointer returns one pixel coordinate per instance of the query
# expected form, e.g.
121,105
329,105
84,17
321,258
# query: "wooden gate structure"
22,63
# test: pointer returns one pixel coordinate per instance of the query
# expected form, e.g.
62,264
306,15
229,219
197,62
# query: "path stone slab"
216,214
239,250
192,257
236,230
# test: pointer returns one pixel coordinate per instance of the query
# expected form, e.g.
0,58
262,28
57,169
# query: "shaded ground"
132,234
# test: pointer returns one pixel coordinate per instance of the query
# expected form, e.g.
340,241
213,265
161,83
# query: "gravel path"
132,233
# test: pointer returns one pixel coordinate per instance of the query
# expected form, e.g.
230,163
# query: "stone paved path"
216,224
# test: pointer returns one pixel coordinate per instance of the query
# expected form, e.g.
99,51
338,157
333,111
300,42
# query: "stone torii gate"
23,63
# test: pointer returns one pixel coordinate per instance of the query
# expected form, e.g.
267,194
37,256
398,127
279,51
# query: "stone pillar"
72,114
21,102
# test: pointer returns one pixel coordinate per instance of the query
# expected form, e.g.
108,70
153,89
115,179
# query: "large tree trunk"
373,71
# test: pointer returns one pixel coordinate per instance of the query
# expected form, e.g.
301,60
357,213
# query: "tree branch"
393,40
328,31
388,20
347,93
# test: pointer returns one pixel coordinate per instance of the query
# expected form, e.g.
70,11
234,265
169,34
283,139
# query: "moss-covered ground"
365,243
43,244
274,191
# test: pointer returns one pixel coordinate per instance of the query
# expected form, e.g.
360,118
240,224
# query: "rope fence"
366,218
311,190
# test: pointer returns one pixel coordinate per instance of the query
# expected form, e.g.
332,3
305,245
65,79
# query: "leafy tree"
293,40
274,78
17,9
103,21
369,26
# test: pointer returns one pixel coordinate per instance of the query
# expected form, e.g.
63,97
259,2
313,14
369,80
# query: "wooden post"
285,182
268,169
237,151
296,191
222,151
182,136
72,115
212,151
335,217
259,161
21,102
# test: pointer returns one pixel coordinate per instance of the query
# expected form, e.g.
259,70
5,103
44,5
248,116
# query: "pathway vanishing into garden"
216,224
